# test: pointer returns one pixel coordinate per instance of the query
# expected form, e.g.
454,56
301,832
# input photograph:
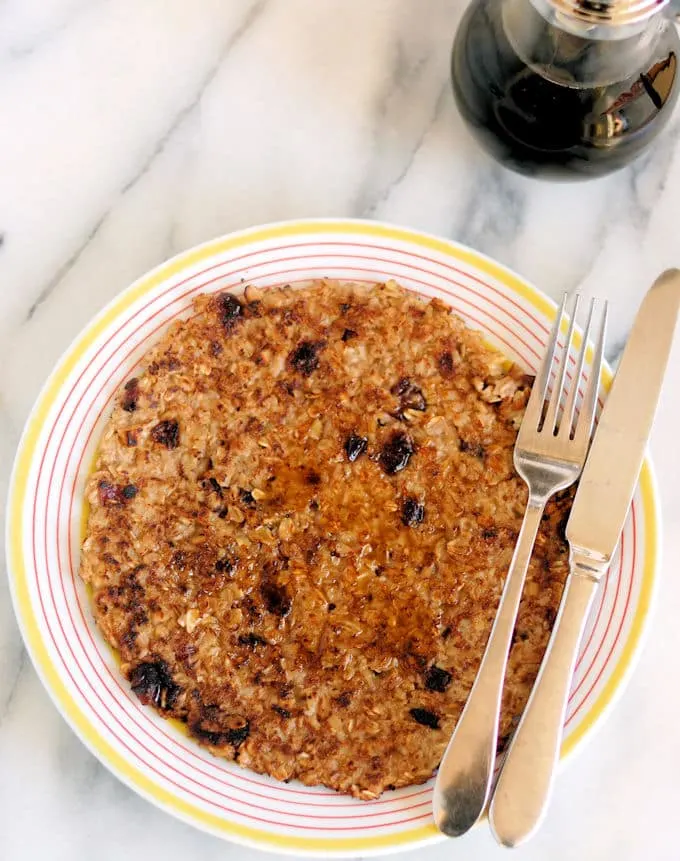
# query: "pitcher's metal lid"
608,12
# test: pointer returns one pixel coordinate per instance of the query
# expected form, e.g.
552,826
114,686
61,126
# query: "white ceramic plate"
46,514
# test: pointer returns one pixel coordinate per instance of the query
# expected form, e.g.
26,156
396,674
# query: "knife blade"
597,517
611,472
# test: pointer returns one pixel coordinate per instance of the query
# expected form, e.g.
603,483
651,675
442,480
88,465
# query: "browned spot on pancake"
304,550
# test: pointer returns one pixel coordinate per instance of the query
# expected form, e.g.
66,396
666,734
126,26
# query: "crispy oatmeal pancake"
302,513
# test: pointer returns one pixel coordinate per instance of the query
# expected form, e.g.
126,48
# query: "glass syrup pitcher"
566,89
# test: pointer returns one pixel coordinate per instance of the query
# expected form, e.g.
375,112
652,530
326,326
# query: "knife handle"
463,784
525,783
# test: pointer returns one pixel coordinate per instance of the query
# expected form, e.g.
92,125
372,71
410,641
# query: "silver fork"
549,455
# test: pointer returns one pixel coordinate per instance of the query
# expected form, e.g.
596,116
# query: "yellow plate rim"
49,675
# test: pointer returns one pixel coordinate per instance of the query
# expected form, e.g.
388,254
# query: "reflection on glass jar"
552,102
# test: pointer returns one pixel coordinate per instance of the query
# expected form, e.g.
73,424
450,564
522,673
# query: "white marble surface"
132,129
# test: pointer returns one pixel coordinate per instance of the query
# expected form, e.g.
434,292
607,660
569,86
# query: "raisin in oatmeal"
302,513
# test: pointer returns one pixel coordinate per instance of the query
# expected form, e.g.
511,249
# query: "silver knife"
597,517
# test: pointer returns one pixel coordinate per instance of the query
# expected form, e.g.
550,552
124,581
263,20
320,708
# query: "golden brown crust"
302,514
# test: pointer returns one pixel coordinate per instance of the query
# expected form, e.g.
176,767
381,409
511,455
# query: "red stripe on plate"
59,508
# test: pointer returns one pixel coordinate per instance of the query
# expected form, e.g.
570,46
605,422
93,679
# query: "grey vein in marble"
253,14
39,40
493,215
16,661
66,267
370,209
648,175
392,116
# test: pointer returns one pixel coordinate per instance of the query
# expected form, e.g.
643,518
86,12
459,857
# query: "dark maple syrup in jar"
584,115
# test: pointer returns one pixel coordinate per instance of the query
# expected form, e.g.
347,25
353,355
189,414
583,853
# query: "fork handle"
524,786
463,783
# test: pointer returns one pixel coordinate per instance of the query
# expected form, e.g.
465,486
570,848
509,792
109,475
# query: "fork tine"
584,424
534,408
570,405
550,422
